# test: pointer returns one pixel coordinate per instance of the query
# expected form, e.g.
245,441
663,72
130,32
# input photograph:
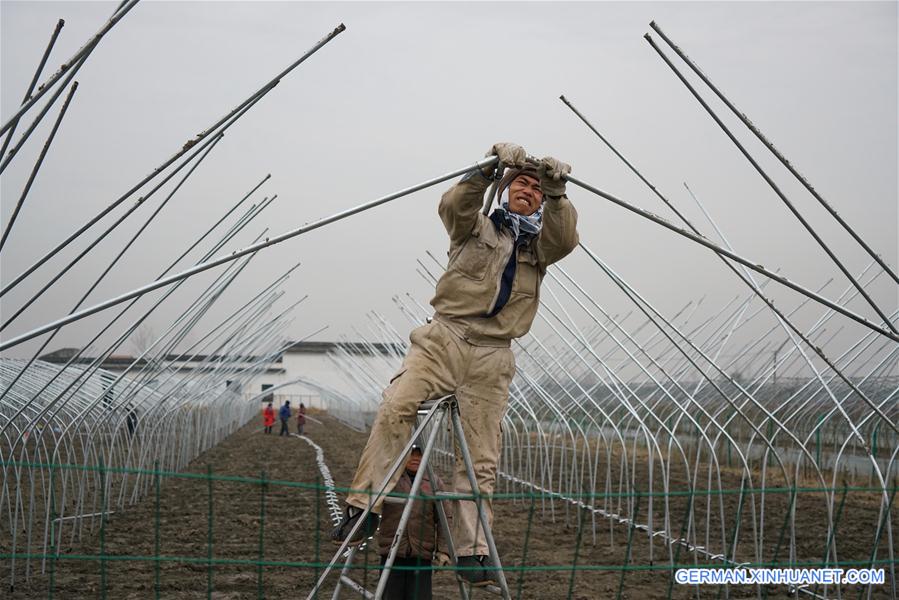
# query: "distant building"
300,374
324,365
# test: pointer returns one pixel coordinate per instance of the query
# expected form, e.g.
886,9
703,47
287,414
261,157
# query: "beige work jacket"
478,252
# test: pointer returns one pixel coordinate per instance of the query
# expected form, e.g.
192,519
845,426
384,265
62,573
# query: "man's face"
413,461
525,195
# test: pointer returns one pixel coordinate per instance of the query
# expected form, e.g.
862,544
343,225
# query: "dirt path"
290,535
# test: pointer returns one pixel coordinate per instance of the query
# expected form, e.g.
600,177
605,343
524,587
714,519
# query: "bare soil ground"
296,522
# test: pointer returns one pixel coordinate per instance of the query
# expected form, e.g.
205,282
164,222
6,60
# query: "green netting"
573,573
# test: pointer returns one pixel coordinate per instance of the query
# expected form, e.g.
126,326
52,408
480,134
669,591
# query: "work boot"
350,516
471,571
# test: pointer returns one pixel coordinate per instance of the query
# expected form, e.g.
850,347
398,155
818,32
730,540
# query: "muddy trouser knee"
481,425
483,398
426,374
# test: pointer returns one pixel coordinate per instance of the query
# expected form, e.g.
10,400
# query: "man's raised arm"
559,234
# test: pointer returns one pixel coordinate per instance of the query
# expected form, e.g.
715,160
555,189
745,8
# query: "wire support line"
770,145
723,252
239,253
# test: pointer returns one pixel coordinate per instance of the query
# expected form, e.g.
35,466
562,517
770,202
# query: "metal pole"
410,502
774,187
228,235
459,431
40,117
814,347
382,489
105,211
66,69
701,239
37,165
721,251
99,359
82,53
37,73
745,393
125,396
786,163
237,254
131,328
232,116
748,280
109,229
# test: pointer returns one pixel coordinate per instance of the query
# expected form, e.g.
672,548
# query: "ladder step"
426,406
357,588
440,496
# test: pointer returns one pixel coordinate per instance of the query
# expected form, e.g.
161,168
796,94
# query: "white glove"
511,155
552,174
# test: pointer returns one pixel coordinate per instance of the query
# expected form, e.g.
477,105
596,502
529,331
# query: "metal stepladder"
432,414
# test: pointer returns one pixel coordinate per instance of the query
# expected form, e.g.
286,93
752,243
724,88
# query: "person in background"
268,418
301,418
422,543
284,415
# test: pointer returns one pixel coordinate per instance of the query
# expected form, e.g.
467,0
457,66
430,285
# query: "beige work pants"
440,363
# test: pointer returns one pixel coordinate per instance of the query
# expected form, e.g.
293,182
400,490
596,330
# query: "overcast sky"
411,91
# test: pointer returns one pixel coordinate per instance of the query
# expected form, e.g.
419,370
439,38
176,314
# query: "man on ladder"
488,295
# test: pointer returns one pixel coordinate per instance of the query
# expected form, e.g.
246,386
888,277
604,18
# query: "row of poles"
579,424
79,441
601,413
648,406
